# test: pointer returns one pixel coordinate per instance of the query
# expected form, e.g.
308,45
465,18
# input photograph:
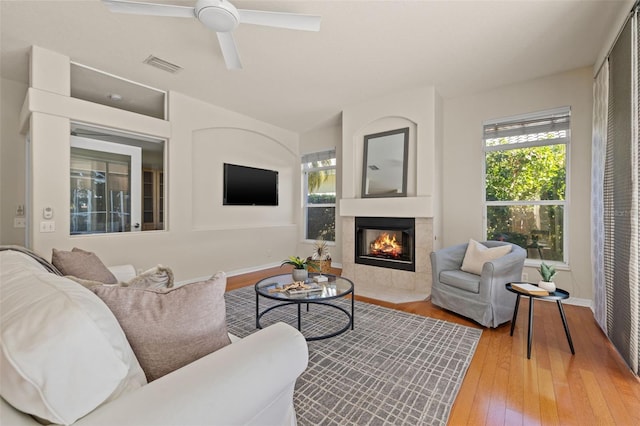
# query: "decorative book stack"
527,288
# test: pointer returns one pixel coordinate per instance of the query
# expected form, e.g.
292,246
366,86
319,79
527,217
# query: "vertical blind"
620,195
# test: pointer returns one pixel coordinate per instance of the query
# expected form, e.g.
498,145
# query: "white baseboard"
243,271
230,273
587,303
252,269
575,301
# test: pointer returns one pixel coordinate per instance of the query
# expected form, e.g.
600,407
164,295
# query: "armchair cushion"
462,280
169,328
478,254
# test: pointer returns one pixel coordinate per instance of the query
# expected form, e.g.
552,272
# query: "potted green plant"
300,267
547,272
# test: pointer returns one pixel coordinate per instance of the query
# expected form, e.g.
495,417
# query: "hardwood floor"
503,387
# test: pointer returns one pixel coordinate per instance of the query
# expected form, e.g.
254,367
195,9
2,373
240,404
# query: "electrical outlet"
525,277
19,222
47,226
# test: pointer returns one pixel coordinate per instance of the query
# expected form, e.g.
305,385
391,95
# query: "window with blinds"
319,185
525,161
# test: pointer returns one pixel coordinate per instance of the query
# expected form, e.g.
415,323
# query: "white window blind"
548,126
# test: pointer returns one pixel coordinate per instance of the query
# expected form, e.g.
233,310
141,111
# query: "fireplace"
388,242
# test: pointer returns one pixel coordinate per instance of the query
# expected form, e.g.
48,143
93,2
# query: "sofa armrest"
248,382
123,273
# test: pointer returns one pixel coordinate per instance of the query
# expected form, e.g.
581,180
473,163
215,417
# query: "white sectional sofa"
44,368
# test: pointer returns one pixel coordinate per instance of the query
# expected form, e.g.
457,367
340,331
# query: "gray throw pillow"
156,277
169,328
82,264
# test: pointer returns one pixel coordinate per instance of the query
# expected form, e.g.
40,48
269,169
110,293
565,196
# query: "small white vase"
550,286
300,274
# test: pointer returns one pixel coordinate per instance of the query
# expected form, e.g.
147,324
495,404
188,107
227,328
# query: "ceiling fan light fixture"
220,16
217,15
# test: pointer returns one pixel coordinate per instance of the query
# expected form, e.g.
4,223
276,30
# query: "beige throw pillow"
477,254
82,264
169,328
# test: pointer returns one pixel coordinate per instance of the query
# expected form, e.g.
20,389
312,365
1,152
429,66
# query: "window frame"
305,191
100,134
565,204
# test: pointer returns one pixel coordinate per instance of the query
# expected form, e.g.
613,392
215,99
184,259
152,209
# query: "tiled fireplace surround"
392,285
421,111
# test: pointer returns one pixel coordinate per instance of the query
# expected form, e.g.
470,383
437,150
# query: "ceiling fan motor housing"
217,15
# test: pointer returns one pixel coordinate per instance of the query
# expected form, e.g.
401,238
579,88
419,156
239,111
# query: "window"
525,171
109,191
319,174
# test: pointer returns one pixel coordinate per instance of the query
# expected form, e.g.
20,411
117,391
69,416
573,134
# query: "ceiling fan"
221,17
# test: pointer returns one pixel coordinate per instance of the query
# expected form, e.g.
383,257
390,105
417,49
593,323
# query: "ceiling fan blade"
152,9
229,50
293,21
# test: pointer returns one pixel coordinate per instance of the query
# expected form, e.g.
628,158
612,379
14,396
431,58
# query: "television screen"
249,186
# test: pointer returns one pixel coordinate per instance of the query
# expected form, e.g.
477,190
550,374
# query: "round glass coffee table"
335,288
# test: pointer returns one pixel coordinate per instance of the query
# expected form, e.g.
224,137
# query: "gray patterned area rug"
394,368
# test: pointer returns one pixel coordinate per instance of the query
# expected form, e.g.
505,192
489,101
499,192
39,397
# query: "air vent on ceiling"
154,61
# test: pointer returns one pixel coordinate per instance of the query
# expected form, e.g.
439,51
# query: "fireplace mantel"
387,207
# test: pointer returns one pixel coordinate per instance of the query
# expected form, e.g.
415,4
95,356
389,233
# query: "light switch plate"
47,226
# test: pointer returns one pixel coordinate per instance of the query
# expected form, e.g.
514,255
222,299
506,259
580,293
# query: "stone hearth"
391,285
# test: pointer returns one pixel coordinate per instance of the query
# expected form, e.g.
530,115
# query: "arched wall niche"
384,124
214,146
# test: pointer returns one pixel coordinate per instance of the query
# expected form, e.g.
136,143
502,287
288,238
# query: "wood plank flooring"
503,387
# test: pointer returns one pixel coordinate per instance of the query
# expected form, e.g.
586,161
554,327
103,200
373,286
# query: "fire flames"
386,246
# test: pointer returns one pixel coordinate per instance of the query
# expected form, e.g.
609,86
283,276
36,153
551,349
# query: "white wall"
419,109
462,163
12,158
202,236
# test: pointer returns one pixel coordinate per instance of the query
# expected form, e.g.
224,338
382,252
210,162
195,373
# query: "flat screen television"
249,186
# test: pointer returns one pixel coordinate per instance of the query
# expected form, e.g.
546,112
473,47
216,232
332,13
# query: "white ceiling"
300,80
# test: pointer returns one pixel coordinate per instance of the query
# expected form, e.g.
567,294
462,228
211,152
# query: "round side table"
559,295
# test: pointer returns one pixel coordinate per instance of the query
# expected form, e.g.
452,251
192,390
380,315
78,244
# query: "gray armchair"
482,298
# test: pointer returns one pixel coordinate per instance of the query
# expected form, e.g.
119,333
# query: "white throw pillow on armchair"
478,254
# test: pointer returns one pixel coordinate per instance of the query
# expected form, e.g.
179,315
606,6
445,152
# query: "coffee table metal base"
349,315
